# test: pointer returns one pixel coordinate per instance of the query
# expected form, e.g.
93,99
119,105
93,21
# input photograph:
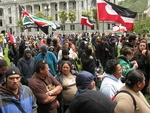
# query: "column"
32,9
67,7
58,9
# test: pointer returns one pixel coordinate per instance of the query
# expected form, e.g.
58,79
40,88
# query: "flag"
31,21
119,29
85,21
11,38
107,11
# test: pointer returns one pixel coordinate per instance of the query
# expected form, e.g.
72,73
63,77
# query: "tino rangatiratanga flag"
107,11
85,21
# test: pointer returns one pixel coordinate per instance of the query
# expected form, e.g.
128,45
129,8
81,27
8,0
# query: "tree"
88,15
94,14
63,15
44,16
72,16
142,26
20,23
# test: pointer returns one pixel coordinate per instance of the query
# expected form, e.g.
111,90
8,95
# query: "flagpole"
103,26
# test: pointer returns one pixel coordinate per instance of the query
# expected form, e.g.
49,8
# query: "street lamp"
47,8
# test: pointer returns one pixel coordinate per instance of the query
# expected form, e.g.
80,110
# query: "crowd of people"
60,74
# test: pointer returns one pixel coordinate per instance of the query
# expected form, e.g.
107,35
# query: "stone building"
9,14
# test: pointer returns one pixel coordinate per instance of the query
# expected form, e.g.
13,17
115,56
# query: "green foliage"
44,16
94,14
87,14
63,16
72,16
19,22
142,26
135,5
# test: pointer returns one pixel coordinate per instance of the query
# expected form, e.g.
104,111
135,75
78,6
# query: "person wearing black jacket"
88,60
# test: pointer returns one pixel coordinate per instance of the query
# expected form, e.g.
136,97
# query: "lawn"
6,56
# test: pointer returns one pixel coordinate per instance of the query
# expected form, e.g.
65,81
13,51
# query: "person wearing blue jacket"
15,97
48,57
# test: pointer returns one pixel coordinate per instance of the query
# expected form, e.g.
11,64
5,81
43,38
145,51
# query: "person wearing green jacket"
125,60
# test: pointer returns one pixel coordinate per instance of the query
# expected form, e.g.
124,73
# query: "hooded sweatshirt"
110,85
26,100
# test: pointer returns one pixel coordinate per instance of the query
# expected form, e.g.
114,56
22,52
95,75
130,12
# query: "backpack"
124,91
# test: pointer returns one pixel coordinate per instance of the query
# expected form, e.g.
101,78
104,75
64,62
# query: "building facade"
9,14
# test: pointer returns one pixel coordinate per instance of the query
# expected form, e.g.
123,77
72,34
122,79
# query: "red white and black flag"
107,11
85,21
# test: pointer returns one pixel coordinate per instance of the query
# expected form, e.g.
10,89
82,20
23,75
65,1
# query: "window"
10,20
9,10
108,26
63,27
29,29
92,28
55,7
64,7
74,5
22,29
1,12
56,17
93,3
82,4
1,23
82,27
72,27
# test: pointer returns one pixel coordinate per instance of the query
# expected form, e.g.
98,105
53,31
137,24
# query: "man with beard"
16,98
26,66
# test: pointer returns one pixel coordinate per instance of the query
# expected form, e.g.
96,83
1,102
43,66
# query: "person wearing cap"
88,100
46,88
3,68
15,97
48,57
26,66
65,57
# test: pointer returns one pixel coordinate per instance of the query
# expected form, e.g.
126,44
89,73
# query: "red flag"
108,11
11,38
85,21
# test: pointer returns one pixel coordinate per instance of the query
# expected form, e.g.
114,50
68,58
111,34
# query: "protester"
3,68
16,98
46,88
88,60
127,54
48,57
65,57
67,80
111,83
134,83
88,100
26,66
13,54
132,41
142,56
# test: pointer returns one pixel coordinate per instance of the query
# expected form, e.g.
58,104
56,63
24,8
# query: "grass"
6,55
